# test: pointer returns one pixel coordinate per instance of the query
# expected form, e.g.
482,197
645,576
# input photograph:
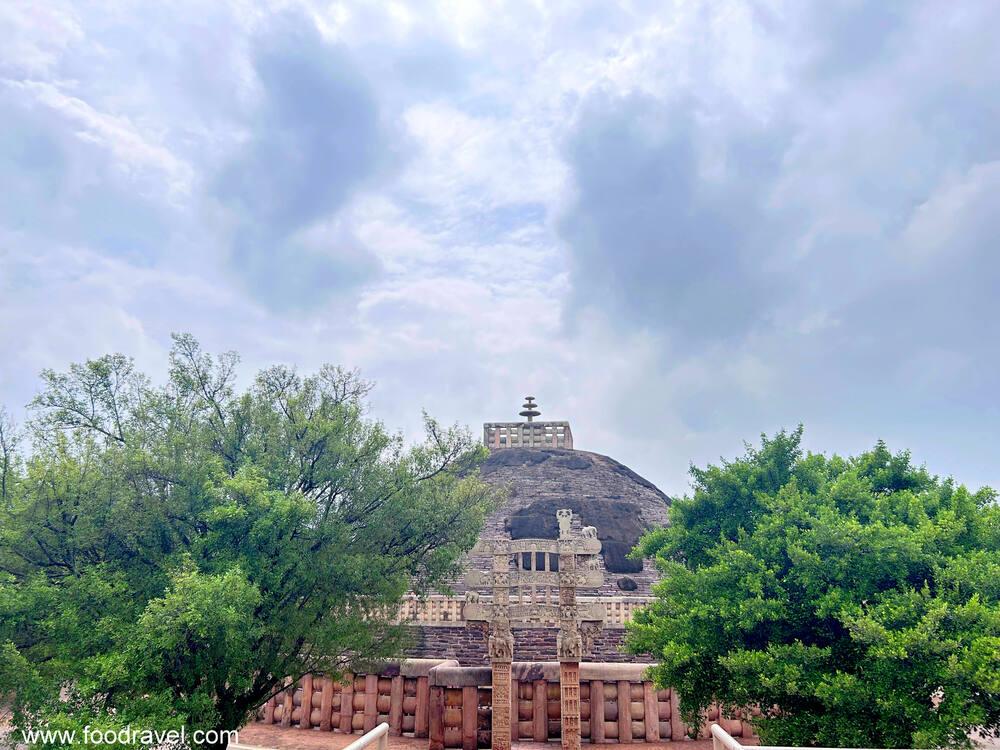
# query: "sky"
676,224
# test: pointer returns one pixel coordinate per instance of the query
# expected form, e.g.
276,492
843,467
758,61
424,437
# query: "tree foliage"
170,554
857,600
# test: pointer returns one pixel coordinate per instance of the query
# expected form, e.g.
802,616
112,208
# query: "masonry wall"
468,645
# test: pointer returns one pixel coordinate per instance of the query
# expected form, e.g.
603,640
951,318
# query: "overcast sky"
676,224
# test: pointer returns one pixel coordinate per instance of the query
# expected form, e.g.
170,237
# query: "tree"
169,555
857,601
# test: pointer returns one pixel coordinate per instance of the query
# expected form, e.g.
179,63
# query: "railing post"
597,711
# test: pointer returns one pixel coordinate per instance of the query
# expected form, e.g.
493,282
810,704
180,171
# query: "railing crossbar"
722,740
379,735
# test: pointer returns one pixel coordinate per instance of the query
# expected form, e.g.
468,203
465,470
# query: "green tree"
856,600
170,554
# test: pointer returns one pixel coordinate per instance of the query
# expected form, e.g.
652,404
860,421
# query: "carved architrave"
579,545
584,577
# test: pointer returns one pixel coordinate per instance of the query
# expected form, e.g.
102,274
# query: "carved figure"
570,645
501,645
588,632
590,532
565,518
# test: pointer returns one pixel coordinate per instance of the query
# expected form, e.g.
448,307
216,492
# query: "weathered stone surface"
619,503
627,584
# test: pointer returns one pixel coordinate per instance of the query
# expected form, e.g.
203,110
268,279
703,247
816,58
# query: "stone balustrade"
440,610
451,705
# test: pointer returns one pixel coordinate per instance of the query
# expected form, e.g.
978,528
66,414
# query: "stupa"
522,677
542,472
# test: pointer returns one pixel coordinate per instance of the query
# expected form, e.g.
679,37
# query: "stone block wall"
468,645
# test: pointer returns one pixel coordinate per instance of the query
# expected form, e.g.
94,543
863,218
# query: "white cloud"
677,224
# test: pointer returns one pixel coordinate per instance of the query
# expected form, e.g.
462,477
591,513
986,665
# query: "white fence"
379,736
722,740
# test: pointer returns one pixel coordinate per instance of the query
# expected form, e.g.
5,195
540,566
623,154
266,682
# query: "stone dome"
604,493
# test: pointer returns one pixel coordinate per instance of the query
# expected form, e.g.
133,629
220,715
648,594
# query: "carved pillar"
501,645
569,641
501,705
569,701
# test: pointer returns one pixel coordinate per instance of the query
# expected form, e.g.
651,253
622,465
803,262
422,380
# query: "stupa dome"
536,463
602,492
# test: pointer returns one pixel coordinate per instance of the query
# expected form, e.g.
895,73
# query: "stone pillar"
570,643
540,711
650,712
306,706
326,706
624,712
371,702
421,715
569,702
501,705
396,706
286,710
596,711
501,647
347,704
436,713
470,717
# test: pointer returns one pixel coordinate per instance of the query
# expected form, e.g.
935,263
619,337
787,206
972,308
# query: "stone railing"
452,705
439,610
